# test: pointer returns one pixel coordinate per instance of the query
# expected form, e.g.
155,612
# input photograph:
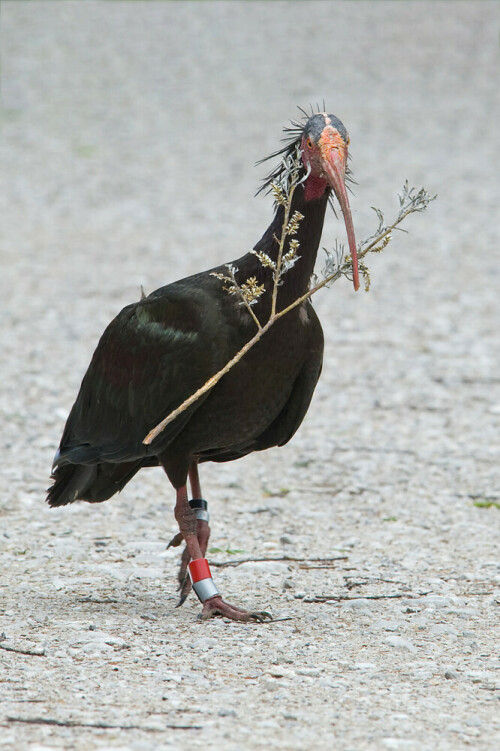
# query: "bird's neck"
295,282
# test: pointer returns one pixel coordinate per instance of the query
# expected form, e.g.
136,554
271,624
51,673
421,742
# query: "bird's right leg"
204,586
199,506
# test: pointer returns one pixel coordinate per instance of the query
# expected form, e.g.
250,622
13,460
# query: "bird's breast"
254,392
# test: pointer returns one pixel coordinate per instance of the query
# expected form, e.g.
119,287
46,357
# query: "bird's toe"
185,588
182,575
217,606
261,616
175,541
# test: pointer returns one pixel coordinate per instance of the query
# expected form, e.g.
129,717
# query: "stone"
399,642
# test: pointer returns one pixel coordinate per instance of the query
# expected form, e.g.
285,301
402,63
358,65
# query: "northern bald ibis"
158,351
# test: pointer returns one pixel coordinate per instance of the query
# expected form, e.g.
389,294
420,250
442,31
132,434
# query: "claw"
261,616
183,579
185,589
175,541
183,568
216,606
182,599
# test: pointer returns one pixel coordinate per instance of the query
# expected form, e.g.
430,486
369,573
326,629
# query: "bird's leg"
188,524
186,519
194,480
202,527
199,506
213,604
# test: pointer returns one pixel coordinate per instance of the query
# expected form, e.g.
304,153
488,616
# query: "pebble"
351,542
358,605
310,672
442,628
398,642
436,602
172,677
95,647
94,636
399,743
203,643
474,721
386,626
279,672
274,568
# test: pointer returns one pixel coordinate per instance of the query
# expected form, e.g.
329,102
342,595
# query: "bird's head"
324,142
324,145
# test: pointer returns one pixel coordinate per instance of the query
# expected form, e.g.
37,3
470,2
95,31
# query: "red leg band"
199,569
201,579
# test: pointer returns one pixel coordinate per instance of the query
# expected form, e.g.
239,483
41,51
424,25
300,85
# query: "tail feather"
93,483
71,482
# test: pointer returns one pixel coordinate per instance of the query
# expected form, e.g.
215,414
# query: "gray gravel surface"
129,134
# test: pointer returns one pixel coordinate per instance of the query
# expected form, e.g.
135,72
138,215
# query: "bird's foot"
216,606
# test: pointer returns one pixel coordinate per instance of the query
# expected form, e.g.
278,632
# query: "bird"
159,350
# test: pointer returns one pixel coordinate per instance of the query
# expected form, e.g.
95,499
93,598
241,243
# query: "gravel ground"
129,131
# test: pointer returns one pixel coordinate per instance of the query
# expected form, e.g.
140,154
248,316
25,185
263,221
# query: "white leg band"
204,589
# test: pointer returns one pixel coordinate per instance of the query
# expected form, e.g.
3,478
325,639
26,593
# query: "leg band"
201,579
200,506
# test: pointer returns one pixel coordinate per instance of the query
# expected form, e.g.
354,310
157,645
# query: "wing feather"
151,357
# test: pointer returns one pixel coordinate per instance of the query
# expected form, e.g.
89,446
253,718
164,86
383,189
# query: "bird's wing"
151,357
292,400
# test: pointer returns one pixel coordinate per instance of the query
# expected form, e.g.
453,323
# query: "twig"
249,292
339,598
208,385
409,202
96,725
284,235
278,620
31,652
233,564
368,580
369,246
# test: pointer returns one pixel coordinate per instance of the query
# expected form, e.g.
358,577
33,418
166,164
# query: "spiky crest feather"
293,135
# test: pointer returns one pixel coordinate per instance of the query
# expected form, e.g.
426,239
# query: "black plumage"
159,350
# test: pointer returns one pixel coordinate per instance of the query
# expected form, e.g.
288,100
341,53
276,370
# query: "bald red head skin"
324,152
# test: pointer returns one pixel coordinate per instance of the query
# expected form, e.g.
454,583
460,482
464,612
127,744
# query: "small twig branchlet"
286,558
337,264
18,650
95,725
248,292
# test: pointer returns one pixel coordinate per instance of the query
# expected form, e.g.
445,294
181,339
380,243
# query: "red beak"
334,160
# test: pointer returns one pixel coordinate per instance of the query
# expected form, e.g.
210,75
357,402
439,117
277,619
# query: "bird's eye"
309,143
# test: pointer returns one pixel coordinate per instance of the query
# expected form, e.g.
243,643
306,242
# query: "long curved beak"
334,160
